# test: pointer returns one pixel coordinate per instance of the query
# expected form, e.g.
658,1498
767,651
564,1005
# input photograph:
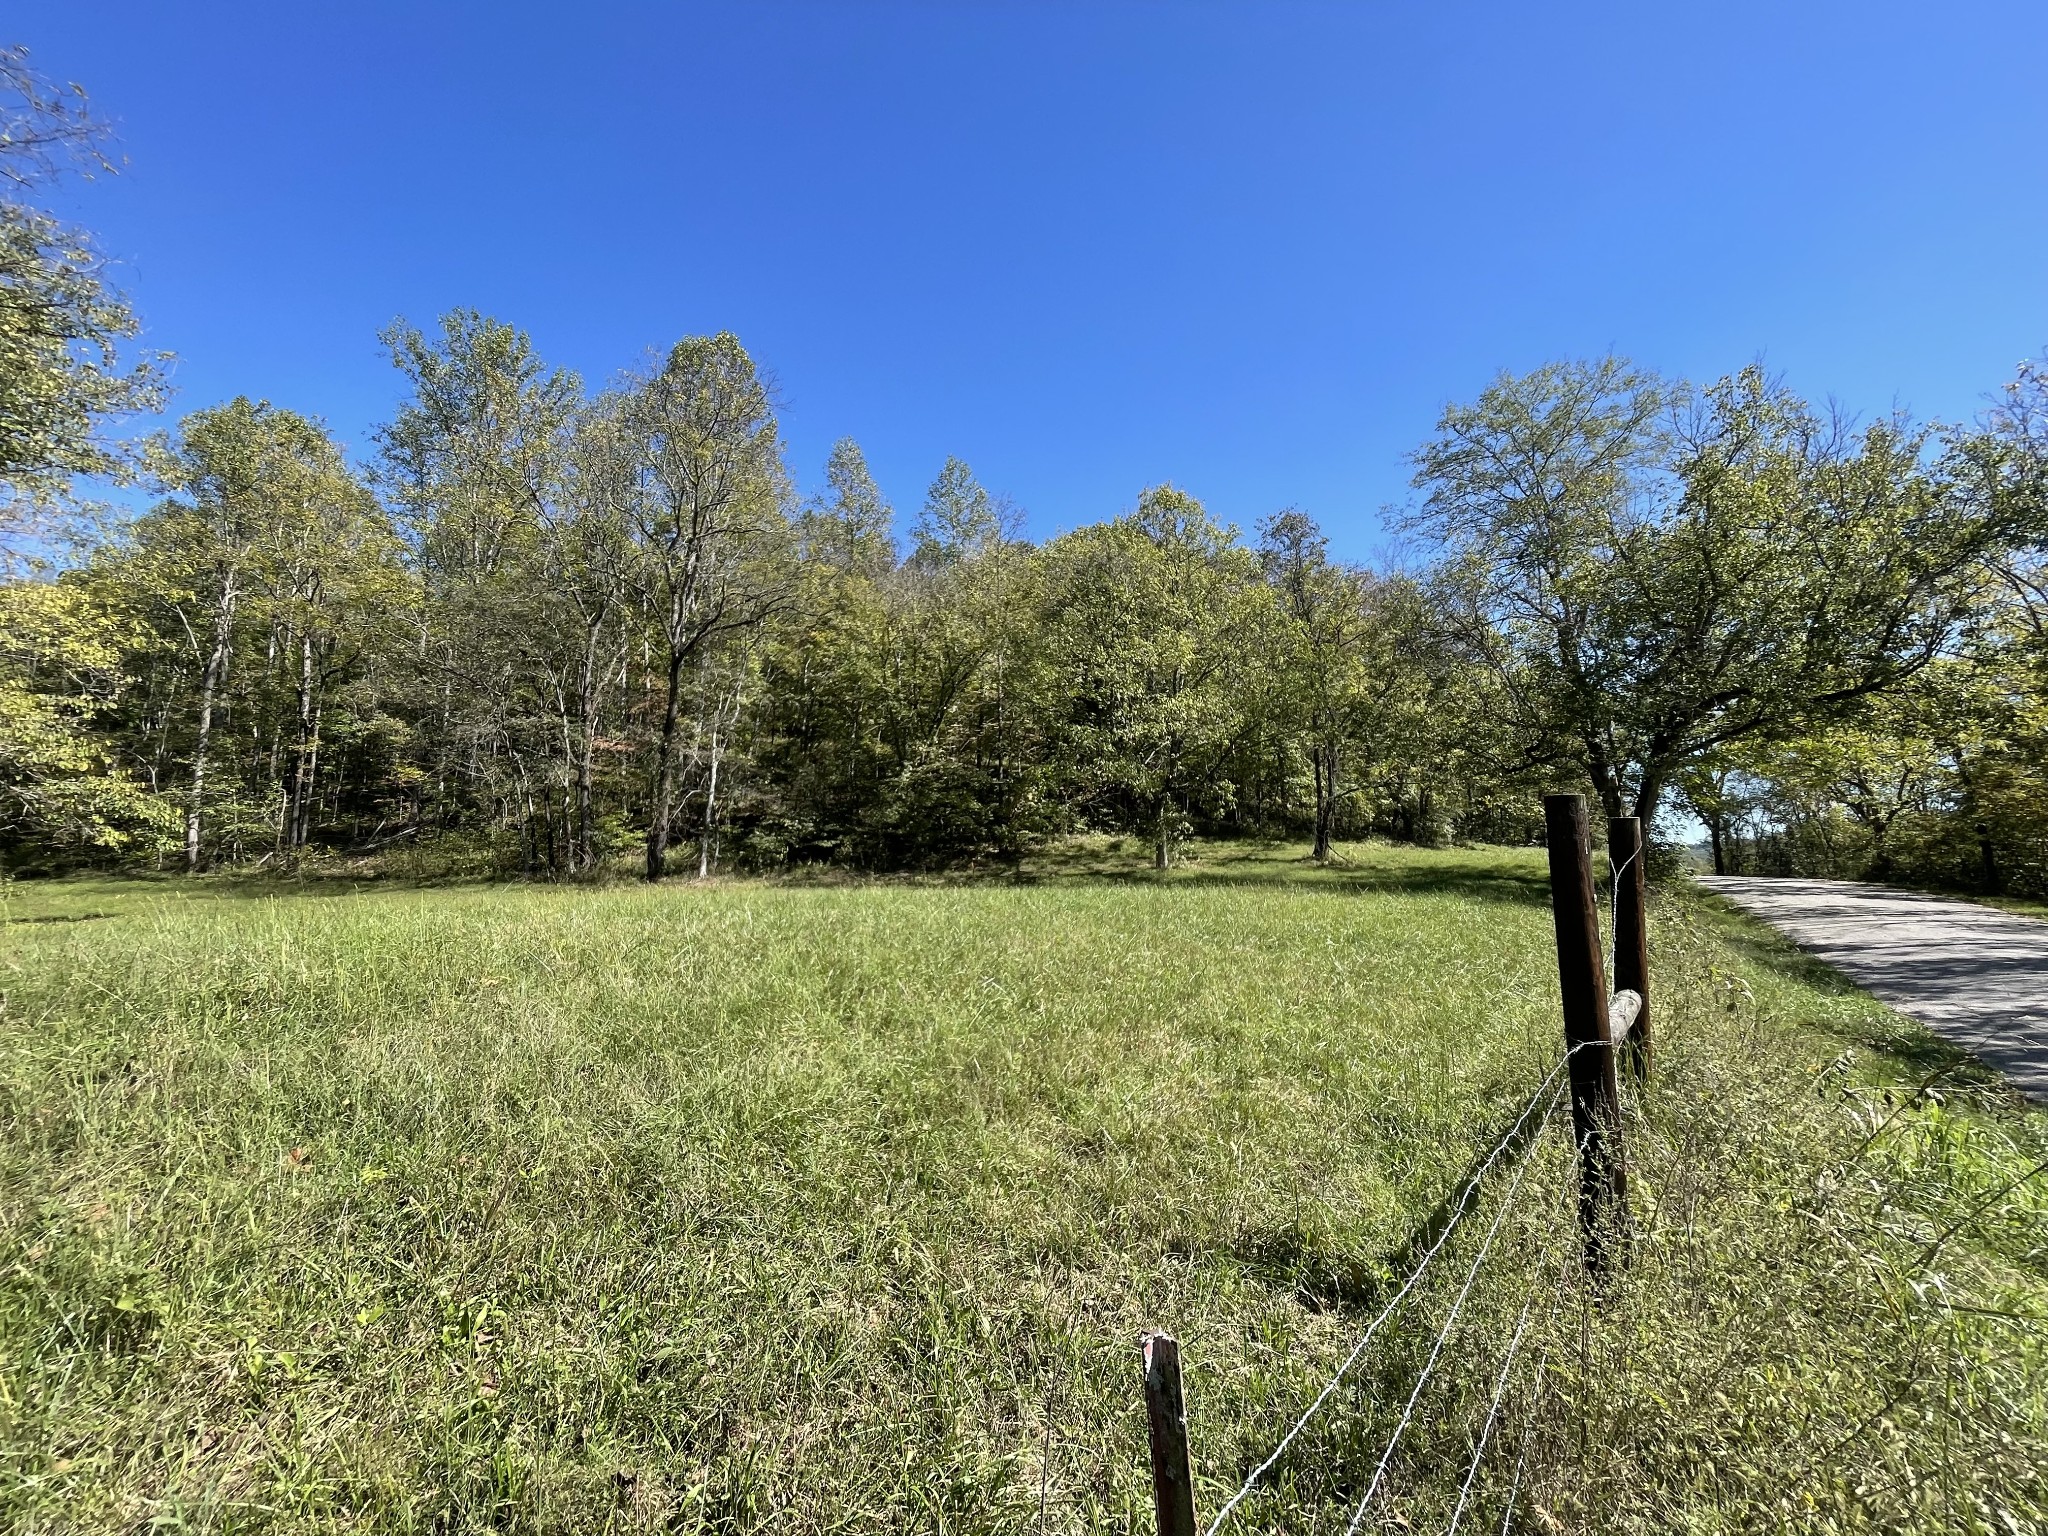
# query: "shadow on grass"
1510,875
1499,875
1284,1259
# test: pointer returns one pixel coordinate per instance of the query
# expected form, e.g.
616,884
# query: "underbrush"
820,1209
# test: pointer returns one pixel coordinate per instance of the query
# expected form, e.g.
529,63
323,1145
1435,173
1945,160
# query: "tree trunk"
1606,786
582,832
1714,836
298,810
710,808
216,670
584,855
1326,798
665,772
1162,858
1648,795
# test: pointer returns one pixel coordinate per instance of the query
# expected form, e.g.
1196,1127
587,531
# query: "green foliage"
1942,780
851,529
1355,681
960,519
1153,616
62,793
570,613
265,592
1651,571
62,326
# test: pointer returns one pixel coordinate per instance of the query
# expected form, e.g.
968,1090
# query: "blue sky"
1252,249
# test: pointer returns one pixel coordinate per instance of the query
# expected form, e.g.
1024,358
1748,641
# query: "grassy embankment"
840,1207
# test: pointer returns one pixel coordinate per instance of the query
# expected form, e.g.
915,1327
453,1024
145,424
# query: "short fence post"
1631,933
1582,983
1173,1479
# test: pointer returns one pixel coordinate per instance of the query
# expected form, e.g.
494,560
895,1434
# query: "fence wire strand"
1507,1515
1544,1098
1428,1371
1500,1386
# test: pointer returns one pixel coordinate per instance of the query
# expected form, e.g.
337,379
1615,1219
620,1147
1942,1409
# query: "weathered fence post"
1173,1478
1582,981
1631,933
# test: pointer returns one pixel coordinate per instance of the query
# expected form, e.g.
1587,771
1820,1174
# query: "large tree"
1151,622
1651,570
478,462
1349,658
63,376
708,512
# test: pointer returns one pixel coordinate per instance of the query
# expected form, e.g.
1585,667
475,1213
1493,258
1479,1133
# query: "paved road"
1975,975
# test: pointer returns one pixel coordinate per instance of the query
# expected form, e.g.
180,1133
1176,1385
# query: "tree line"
547,629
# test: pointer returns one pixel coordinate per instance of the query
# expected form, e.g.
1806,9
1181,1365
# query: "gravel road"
1974,975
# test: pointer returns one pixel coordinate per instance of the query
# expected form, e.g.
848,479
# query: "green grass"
833,1206
2023,906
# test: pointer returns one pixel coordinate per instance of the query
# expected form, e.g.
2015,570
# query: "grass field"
839,1207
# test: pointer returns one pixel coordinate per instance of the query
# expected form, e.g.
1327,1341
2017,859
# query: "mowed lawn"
744,1206
432,1205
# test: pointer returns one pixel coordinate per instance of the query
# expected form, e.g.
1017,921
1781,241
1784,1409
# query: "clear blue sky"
1252,249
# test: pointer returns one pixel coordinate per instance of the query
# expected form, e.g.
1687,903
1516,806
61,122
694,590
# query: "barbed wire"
1529,1430
1542,1094
1423,1377
1500,1386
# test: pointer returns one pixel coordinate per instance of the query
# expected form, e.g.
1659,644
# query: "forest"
544,628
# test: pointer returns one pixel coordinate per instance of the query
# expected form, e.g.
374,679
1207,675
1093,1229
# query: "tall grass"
840,1208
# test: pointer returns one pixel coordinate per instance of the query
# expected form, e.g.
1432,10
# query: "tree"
336,590
707,512
499,474
62,325
850,530
824,699
1881,767
1150,615
587,560
1651,570
960,518
1724,793
1349,656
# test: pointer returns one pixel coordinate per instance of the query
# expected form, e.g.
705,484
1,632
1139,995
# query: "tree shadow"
1472,874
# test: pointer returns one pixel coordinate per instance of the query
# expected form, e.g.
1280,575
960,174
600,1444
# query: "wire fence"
1597,1023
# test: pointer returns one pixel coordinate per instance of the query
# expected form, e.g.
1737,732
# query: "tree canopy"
63,325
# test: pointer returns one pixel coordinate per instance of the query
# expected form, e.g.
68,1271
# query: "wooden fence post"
1582,982
1173,1479
1631,933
